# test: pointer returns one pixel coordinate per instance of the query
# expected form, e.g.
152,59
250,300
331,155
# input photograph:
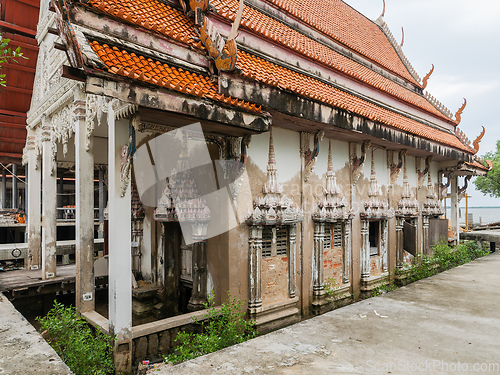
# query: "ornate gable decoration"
432,206
222,52
332,208
407,206
274,207
375,207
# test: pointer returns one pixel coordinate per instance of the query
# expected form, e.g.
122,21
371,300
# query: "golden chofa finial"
383,11
478,140
402,36
458,115
426,78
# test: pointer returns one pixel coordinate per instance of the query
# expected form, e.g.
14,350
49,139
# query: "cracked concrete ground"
446,324
23,351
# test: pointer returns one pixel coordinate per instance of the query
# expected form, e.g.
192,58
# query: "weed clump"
224,326
84,351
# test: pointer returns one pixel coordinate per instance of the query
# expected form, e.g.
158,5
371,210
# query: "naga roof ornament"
273,207
403,36
458,115
478,140
222,52
331,207
426,78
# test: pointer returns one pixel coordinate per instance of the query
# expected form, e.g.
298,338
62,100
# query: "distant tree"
490,184
8,54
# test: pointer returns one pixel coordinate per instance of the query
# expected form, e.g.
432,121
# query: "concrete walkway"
446,324
23,351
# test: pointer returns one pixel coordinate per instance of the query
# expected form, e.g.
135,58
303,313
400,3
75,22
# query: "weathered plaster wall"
274,279
333,266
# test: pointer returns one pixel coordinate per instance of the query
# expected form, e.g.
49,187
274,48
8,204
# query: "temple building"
266,149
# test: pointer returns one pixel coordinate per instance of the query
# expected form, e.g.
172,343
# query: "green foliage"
490,184
8,54
85,352
225,326
444,258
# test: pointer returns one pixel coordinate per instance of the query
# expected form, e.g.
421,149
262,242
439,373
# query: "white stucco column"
292,280
318,261
15,193
255,299
49,212
347,251
365,249
120,257
454,207
84,171
34,223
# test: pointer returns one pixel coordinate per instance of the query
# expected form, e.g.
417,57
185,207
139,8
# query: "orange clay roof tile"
153,15
350,28
274,75
139,68
166,20
292,39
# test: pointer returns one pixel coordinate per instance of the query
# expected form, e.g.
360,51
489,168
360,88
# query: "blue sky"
460,37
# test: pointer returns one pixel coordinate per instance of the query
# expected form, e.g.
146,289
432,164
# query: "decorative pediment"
376,207
432,205
273,208
408,205
180,200
331,207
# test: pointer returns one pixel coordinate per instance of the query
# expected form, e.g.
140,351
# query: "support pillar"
399,241
26,192
255,299
120,256
347,252
84,173
425,235
49,181
383,244
365,249
199,272
4,188
15,192
454,208
34,202
319,268
292,282
101,204
60,213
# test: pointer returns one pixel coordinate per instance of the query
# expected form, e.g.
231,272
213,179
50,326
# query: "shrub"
85,352
225,326
444,258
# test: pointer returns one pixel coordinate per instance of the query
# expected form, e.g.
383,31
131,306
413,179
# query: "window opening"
267,239
337,235
374,237
327,242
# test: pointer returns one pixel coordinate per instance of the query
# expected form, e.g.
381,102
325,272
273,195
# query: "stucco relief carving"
422,173
408,205
95,107
395,169
310,157
432,205
375,207
357,163
462,191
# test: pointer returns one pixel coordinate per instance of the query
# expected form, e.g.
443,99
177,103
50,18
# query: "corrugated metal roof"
18,22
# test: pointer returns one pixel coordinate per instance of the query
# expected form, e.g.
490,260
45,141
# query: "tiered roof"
341,23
